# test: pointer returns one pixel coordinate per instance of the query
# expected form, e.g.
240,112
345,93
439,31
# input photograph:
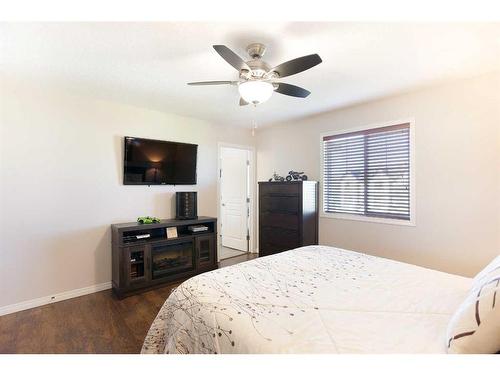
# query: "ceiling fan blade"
206,83
297,65
243,102
231,57
292,90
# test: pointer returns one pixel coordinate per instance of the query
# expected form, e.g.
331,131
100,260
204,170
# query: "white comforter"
314,299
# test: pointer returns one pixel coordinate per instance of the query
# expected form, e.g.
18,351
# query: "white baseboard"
9,309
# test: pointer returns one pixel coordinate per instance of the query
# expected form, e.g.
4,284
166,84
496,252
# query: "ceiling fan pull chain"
254,127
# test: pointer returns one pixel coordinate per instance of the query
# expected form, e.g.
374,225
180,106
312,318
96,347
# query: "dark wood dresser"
288,215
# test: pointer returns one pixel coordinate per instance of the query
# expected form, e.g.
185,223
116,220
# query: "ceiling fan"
257,80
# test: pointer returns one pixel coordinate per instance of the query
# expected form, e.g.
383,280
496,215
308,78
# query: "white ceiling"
149,64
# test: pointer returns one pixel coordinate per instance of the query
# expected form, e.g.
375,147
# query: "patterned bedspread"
315,299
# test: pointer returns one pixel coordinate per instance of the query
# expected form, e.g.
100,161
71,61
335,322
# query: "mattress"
314,299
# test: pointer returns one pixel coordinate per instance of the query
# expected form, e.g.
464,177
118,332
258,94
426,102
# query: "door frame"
251,183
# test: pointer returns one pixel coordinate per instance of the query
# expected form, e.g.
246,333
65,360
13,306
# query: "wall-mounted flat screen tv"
154,162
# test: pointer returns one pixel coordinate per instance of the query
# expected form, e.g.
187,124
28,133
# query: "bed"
314,299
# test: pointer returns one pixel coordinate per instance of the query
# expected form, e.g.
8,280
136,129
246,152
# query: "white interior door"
234,194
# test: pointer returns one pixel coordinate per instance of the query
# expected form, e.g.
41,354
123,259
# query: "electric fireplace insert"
172,258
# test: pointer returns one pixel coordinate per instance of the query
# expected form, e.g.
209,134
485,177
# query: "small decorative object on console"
296,176
147,220
276,177
186,205
171,232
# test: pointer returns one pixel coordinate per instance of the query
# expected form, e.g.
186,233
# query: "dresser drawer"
279,220
279,204
285,238
279,189
269,249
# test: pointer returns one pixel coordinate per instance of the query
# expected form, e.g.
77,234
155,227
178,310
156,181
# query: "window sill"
410,223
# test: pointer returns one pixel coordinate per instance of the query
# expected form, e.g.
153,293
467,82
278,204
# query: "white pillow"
494,264
475,326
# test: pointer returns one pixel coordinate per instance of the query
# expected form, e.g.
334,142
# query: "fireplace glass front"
173,258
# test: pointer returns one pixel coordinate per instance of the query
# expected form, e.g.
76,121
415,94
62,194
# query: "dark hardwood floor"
95,323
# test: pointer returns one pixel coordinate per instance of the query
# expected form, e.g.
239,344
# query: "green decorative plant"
147,220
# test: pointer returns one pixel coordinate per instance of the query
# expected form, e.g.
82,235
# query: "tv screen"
153,162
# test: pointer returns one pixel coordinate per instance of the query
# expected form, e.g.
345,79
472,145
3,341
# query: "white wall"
457,173
61,173
61,184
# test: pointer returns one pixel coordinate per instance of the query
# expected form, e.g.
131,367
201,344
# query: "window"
367,173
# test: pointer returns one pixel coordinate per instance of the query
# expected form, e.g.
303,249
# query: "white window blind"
368,172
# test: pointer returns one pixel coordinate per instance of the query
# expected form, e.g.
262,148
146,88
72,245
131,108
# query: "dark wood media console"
143,263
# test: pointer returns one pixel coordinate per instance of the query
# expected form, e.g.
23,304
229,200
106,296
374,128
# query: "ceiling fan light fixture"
255,92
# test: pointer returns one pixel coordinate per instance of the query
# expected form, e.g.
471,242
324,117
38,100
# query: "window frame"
413,213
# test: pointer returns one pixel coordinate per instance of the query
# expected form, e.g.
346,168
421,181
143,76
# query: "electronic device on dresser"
186,205
288,215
